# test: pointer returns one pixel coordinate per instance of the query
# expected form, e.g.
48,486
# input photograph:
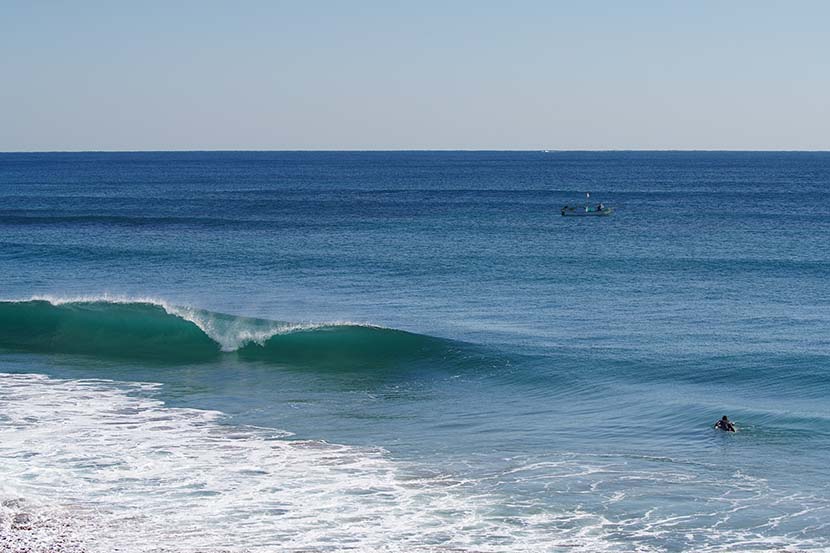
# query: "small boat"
586,211
599,210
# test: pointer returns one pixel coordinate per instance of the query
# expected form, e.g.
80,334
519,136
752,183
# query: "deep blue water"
556,378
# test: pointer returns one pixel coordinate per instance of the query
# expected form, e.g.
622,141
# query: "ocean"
414,352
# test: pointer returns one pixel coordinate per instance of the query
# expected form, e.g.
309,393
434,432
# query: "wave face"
152,330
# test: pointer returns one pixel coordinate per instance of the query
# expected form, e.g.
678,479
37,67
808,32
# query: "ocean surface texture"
414,352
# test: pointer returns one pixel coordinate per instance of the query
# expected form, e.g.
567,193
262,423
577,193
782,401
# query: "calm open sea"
414,351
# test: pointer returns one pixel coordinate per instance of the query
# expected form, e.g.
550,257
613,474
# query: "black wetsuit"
726,426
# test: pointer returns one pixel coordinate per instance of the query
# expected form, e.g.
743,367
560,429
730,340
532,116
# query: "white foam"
100,466
127,473
236,333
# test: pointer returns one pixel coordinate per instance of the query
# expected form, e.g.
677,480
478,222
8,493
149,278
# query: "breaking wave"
155,330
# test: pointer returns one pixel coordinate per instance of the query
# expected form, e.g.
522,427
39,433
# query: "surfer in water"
725,424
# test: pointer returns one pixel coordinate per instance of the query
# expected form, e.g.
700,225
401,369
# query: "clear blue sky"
305,74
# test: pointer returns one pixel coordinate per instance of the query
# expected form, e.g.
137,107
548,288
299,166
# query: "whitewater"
183,474
102,466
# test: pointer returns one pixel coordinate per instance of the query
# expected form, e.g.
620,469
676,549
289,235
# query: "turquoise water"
408,351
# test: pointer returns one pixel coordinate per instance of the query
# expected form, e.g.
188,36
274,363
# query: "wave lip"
155,330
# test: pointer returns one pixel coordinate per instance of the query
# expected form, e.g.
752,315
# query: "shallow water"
404,351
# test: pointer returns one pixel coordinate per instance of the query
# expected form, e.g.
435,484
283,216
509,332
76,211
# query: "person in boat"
600,207
725,424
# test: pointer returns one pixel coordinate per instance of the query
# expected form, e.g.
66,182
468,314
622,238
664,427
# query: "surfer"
725,424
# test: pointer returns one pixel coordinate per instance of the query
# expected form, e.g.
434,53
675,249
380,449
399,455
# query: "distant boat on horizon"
599,210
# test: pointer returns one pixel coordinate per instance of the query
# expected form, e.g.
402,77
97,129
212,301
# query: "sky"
424,75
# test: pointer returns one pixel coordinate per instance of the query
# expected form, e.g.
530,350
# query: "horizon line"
413,150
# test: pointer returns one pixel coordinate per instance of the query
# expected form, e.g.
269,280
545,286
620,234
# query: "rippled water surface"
257,351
